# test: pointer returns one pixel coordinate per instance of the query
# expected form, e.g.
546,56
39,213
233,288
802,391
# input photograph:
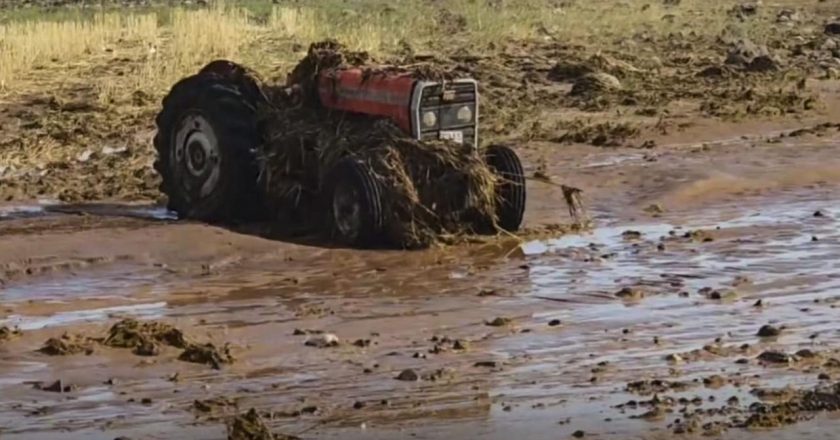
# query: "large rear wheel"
206,135
354,209
510,191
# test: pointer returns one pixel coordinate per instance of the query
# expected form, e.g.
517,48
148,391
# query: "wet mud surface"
703,302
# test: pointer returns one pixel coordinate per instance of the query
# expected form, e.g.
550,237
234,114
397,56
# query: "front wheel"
510,189
354,210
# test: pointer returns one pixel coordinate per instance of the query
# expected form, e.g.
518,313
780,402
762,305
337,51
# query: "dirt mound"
68,344
302,145
207,354
130,333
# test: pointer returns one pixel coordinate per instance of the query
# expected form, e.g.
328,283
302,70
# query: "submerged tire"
205,140
355,214
510,193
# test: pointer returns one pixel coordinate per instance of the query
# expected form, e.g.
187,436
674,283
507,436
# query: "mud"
416,353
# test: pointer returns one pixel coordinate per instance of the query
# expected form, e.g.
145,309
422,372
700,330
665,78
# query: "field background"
80,82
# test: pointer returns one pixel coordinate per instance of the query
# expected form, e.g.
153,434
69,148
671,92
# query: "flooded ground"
644,327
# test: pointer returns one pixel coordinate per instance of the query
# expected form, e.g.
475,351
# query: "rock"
824,376
744,10
595,83
57,387
408,375
775,357
631,235
578,434
486,364
833,28
674,358
654,209
806,354
768,331
358,405
554,323
763,63
714,381
743,52
819,214
323,341
787,16
499,322
630,293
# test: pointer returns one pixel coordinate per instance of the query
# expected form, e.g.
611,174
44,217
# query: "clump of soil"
67,344
769,331
56,387
251,426
7,333
214,404
207,354
303,144
647,387
145,337
130,333
800,406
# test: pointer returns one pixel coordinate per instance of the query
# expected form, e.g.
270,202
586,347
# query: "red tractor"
209,136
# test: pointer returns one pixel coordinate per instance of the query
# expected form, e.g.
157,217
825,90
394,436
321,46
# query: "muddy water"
526,378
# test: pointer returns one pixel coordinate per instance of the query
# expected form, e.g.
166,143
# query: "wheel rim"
196,153
347,211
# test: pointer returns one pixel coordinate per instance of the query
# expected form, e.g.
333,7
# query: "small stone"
655,209
358,405
806,354
460,345
758,303
630,293
323,341
775,357
486,364
768,331
833,28
408,375
499,322
824,376
146,401
578,434
554,323
819,213
674,358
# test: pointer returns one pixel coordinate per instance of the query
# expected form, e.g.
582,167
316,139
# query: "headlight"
429,119
464,114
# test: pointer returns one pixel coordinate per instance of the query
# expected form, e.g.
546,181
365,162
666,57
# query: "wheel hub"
197,152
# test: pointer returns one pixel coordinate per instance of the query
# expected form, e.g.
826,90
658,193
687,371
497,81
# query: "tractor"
209,135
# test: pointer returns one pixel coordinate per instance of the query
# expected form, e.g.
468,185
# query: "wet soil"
489,340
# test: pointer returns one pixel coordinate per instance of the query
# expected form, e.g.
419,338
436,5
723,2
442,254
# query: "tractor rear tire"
510,192
355,214
205,140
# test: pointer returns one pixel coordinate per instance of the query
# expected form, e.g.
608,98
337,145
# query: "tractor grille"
445,101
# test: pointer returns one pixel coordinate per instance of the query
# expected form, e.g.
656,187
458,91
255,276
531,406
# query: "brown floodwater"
738,226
